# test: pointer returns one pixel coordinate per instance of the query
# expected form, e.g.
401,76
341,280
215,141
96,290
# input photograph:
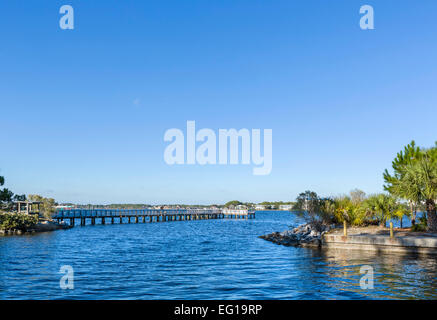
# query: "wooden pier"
111,216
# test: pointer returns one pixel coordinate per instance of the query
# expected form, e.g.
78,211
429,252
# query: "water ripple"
215,259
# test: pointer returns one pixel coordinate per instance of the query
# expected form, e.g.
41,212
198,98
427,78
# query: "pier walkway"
112,216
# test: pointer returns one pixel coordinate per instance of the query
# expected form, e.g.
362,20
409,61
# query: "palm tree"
346,209
424,172
372,207
415,179
410,187
400,213
405,188
381,206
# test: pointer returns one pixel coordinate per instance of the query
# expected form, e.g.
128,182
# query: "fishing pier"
111,216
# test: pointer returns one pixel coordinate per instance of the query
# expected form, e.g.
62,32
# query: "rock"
313,233
304,235
287,233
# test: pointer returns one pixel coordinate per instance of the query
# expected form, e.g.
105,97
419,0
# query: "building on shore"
65,207
285,207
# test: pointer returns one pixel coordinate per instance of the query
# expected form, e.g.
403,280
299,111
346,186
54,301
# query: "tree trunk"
413,213
432,215
401,222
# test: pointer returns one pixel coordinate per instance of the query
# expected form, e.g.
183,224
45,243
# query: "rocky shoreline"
304,235
43,226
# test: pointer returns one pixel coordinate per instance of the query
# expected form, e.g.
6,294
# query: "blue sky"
84,111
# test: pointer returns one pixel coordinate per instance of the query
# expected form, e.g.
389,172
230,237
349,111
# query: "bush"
17,221
418,228
313,209
422,226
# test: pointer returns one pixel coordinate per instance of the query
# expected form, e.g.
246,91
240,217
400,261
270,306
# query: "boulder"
304,235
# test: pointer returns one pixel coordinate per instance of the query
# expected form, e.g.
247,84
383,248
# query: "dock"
111,216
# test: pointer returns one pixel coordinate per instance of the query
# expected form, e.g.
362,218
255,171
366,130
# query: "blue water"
209,259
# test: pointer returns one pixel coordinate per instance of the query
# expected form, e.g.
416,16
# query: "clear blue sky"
84,111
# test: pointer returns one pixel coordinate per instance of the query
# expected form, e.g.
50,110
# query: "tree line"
410,187
268,204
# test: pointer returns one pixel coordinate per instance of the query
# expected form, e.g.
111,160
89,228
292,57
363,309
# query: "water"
210,259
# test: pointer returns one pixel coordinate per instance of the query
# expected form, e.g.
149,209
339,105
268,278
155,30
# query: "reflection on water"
403,276
215,259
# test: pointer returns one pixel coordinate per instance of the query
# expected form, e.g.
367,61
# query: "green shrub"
421,226
17,221
418,228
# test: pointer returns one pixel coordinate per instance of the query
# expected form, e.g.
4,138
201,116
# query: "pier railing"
148,215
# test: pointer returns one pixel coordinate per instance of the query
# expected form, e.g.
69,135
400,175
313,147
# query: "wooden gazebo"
28,207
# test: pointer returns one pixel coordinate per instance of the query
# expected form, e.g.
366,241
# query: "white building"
260,207
65,207
285,207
